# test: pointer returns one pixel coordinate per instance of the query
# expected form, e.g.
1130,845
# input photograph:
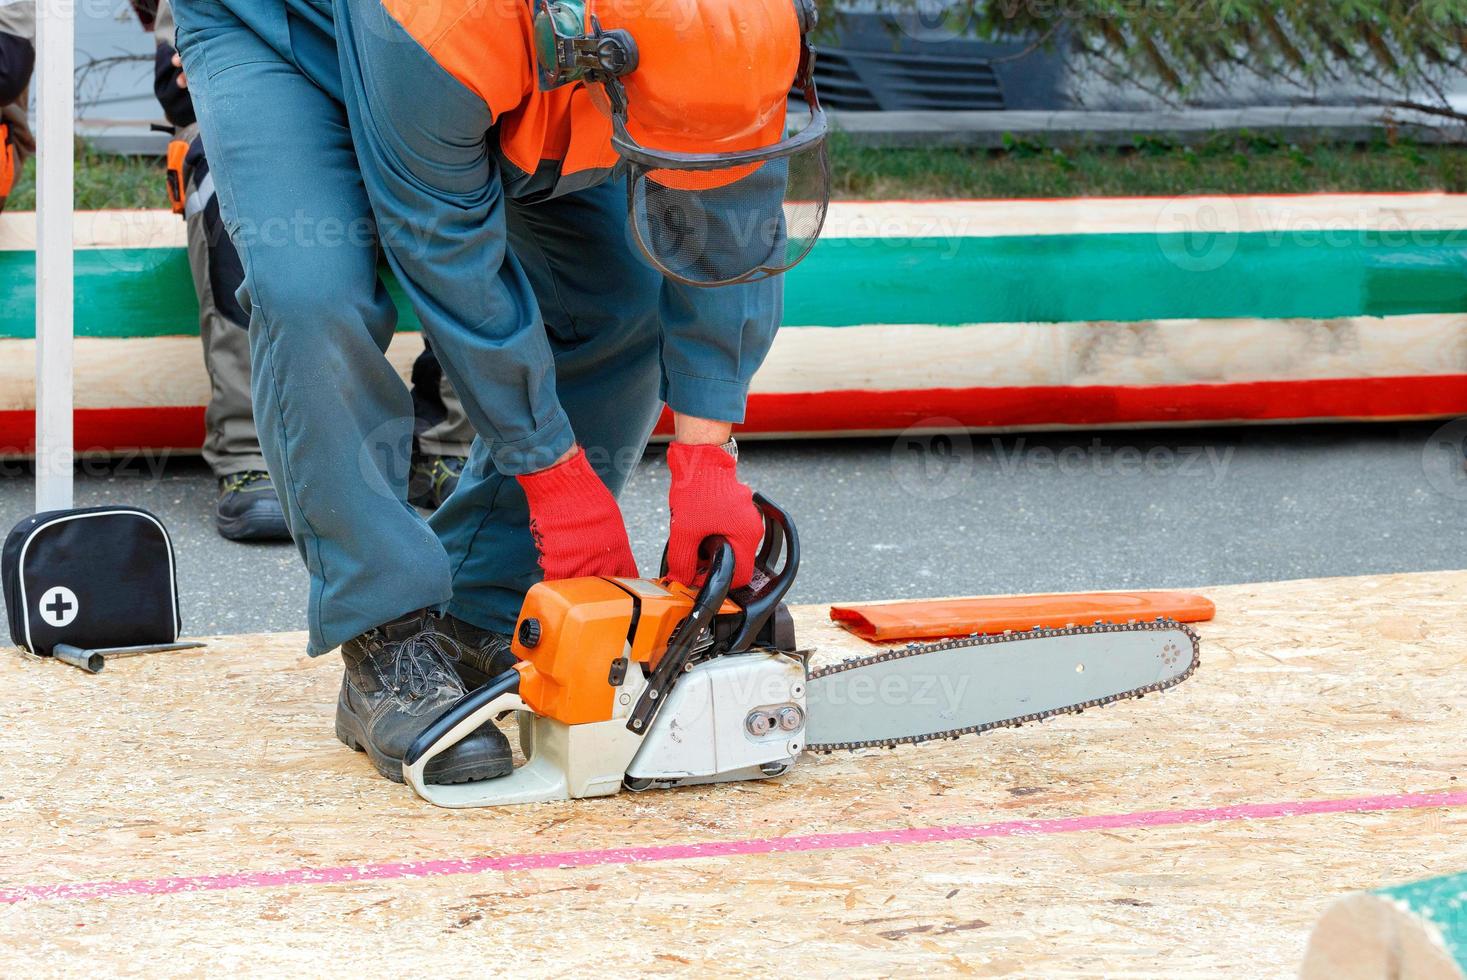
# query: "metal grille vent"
888,81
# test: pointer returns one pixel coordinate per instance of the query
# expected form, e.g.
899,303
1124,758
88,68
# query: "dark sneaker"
482,654
249,509
433,478
399,678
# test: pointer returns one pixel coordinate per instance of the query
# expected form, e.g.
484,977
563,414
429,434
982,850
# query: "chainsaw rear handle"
461,720
700,620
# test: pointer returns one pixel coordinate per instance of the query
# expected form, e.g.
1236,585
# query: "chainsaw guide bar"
1167,640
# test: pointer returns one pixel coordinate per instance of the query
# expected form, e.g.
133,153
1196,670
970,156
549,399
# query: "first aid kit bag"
94,577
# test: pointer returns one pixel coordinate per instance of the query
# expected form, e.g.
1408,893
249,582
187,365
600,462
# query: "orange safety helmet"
712,75
697,92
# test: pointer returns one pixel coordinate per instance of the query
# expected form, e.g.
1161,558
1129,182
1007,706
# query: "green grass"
1243,164
103,181
1231,164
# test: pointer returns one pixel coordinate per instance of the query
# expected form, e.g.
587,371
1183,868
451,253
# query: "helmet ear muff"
571,48
608,54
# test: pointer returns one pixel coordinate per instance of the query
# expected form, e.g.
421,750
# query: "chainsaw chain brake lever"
684,642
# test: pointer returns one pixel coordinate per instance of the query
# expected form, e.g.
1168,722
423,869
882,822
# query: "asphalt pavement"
956,515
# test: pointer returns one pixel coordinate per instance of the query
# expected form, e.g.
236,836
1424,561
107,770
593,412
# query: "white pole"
55,94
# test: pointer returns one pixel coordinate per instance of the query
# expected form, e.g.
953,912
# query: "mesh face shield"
723,218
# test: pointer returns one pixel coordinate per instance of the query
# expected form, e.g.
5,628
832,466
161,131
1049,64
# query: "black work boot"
482,654
399,678
433,478
249,509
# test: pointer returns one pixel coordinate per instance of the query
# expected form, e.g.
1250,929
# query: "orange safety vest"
488,46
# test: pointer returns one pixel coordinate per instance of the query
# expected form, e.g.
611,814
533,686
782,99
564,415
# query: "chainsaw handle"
680,650
761,599
461,720
708,549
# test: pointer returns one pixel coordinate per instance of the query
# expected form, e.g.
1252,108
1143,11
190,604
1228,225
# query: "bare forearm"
692,431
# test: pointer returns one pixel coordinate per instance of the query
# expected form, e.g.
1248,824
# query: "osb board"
180,766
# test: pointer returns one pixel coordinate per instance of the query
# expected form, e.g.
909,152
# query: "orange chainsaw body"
581,628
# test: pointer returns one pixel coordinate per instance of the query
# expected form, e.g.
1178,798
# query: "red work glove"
707,498
575,522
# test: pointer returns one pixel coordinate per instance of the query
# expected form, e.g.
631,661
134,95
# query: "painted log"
932,315
1416,931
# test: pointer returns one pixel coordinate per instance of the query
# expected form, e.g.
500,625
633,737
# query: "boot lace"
422,665
245,481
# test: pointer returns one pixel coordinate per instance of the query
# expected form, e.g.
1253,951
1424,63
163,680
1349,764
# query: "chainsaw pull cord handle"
769,587
684,642
461,720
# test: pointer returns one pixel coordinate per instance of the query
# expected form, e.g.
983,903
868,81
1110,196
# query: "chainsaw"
646,683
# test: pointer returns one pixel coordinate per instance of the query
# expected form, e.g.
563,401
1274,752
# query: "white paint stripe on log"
101,229
1307,214
1286,215
108,371
898,358
895,358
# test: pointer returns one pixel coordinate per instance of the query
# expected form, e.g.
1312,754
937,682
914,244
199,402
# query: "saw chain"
986,640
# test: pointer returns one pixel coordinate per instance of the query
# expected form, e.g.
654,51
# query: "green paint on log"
134,292
1084,278
948,281
1443,903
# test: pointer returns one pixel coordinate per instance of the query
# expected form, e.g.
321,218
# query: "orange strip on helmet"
707,180
937,618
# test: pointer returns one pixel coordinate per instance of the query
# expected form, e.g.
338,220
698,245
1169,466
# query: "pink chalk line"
92,890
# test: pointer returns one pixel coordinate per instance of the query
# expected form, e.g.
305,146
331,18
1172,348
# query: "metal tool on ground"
93,661
640,683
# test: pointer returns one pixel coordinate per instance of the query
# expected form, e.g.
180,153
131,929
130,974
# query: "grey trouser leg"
455,434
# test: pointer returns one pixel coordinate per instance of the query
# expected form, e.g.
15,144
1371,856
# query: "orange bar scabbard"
931,619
